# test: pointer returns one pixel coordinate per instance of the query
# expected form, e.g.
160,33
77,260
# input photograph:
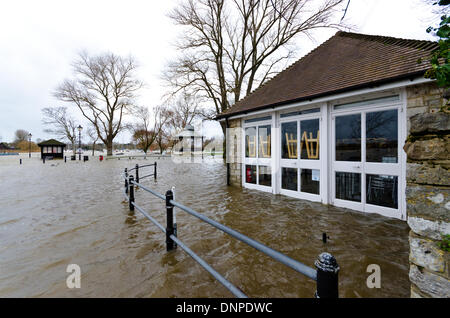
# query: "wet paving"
56,214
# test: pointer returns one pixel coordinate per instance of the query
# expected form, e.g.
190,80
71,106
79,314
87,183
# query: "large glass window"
264,134
382,190
289,179
310,181
348,138
289,140
382,136
348,186
250,174
310,135
265,176
250,142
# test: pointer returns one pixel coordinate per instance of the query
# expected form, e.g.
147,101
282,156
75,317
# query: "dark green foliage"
440,69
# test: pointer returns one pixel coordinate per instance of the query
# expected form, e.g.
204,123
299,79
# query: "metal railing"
325,274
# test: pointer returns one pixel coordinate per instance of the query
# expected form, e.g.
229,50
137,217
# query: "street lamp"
29,142
79,141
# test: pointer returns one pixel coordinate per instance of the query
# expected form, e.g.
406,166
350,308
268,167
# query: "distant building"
188,142
4,148
52,148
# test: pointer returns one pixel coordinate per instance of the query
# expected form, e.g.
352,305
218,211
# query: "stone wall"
428,190
234,151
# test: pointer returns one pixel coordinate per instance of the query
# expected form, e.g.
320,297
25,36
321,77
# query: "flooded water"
56,214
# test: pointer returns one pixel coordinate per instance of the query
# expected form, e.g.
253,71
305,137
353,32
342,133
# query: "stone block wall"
428,190
234,151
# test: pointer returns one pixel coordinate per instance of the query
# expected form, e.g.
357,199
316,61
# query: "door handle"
357,167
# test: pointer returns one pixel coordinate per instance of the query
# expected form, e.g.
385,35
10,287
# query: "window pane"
264,134
289,179
348,186
348,138
310,181
382,190
289,140
265,176
310,135
382,136
250,174
250,142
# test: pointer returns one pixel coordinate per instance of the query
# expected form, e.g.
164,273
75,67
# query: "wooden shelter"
52,149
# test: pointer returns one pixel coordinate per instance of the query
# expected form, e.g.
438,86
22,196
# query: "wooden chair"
309,143
292,146
264,146
251,146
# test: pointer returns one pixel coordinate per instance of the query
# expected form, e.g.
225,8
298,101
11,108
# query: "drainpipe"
228,164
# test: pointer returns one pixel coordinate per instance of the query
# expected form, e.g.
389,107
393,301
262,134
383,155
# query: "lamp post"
29,143
79,141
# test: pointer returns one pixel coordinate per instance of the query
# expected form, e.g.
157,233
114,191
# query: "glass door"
365,167
300,156
258,155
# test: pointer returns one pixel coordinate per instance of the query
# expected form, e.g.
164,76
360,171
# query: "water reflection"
53,216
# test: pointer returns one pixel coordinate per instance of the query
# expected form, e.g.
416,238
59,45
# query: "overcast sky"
39,40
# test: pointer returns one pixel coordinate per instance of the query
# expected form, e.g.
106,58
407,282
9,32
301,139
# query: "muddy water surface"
56,214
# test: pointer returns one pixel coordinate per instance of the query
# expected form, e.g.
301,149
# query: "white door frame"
302,163
363,167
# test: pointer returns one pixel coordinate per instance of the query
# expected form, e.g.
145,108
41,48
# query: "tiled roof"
51,142
345,62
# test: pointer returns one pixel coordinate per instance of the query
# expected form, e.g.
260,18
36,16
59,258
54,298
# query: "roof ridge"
383,38
283,70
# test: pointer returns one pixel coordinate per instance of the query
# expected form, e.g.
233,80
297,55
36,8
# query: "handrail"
233,289
295,265
326,274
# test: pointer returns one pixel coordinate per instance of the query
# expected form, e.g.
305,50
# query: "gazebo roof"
188,131
51,142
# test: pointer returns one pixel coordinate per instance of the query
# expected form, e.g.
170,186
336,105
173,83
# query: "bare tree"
91,132
163,137
61,124
143,134
20,135
184,110
233,47
103,89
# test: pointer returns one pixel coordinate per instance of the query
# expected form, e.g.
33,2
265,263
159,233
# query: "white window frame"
363,167
303,163
258,161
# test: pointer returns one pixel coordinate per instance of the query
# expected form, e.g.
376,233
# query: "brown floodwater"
56,214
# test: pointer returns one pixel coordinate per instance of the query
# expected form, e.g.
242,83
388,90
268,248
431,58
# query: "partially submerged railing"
325,274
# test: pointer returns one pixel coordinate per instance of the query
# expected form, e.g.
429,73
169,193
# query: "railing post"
327,276
169,228
137,173
175,231
155,171
131,185
126,180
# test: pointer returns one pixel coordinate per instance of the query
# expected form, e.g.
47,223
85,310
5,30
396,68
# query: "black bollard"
65,158
324,237
137,173
327,276
155,171
20,161
126,180
169,229
131,200
43,159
